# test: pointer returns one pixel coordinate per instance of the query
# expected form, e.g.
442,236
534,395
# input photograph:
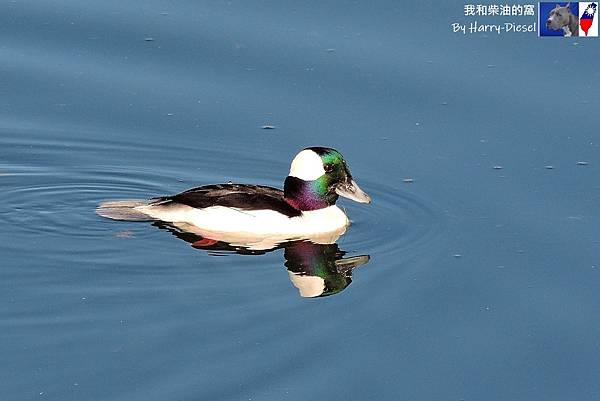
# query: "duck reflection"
318,270
315,269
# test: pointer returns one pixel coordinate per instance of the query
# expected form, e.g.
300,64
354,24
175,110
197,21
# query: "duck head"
318,176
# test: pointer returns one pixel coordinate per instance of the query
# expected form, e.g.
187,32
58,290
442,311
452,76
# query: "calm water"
483,277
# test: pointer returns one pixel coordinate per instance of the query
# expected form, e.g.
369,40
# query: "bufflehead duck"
237,212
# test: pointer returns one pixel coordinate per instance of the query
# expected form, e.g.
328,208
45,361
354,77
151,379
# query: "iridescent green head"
317,177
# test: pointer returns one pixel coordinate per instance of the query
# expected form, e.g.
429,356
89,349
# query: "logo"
496,19
568,19
588,22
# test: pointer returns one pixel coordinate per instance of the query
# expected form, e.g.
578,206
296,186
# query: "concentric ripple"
46,197
62,205
189,300
55,186
396,222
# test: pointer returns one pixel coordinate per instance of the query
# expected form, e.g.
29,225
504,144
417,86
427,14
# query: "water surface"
480,154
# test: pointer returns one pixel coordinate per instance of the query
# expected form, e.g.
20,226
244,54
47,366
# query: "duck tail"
126,209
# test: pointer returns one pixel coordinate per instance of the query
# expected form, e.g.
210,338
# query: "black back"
240,196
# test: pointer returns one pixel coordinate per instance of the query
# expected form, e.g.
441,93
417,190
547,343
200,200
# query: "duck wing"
238,196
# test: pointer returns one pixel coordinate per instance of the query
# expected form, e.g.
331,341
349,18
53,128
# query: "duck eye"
328,167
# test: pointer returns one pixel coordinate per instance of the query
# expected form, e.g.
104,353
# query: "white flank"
220,219
307,165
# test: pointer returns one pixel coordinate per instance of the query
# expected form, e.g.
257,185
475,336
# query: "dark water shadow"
316,270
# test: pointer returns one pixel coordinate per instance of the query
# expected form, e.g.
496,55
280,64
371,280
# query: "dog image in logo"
562,17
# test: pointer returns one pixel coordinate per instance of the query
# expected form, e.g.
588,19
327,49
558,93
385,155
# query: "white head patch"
307,165
308,286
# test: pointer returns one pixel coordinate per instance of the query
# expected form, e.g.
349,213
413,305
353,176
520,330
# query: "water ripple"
61,181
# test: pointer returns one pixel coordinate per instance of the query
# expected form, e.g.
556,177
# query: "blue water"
483,272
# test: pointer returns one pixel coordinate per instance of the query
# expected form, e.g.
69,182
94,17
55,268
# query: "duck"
305,208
